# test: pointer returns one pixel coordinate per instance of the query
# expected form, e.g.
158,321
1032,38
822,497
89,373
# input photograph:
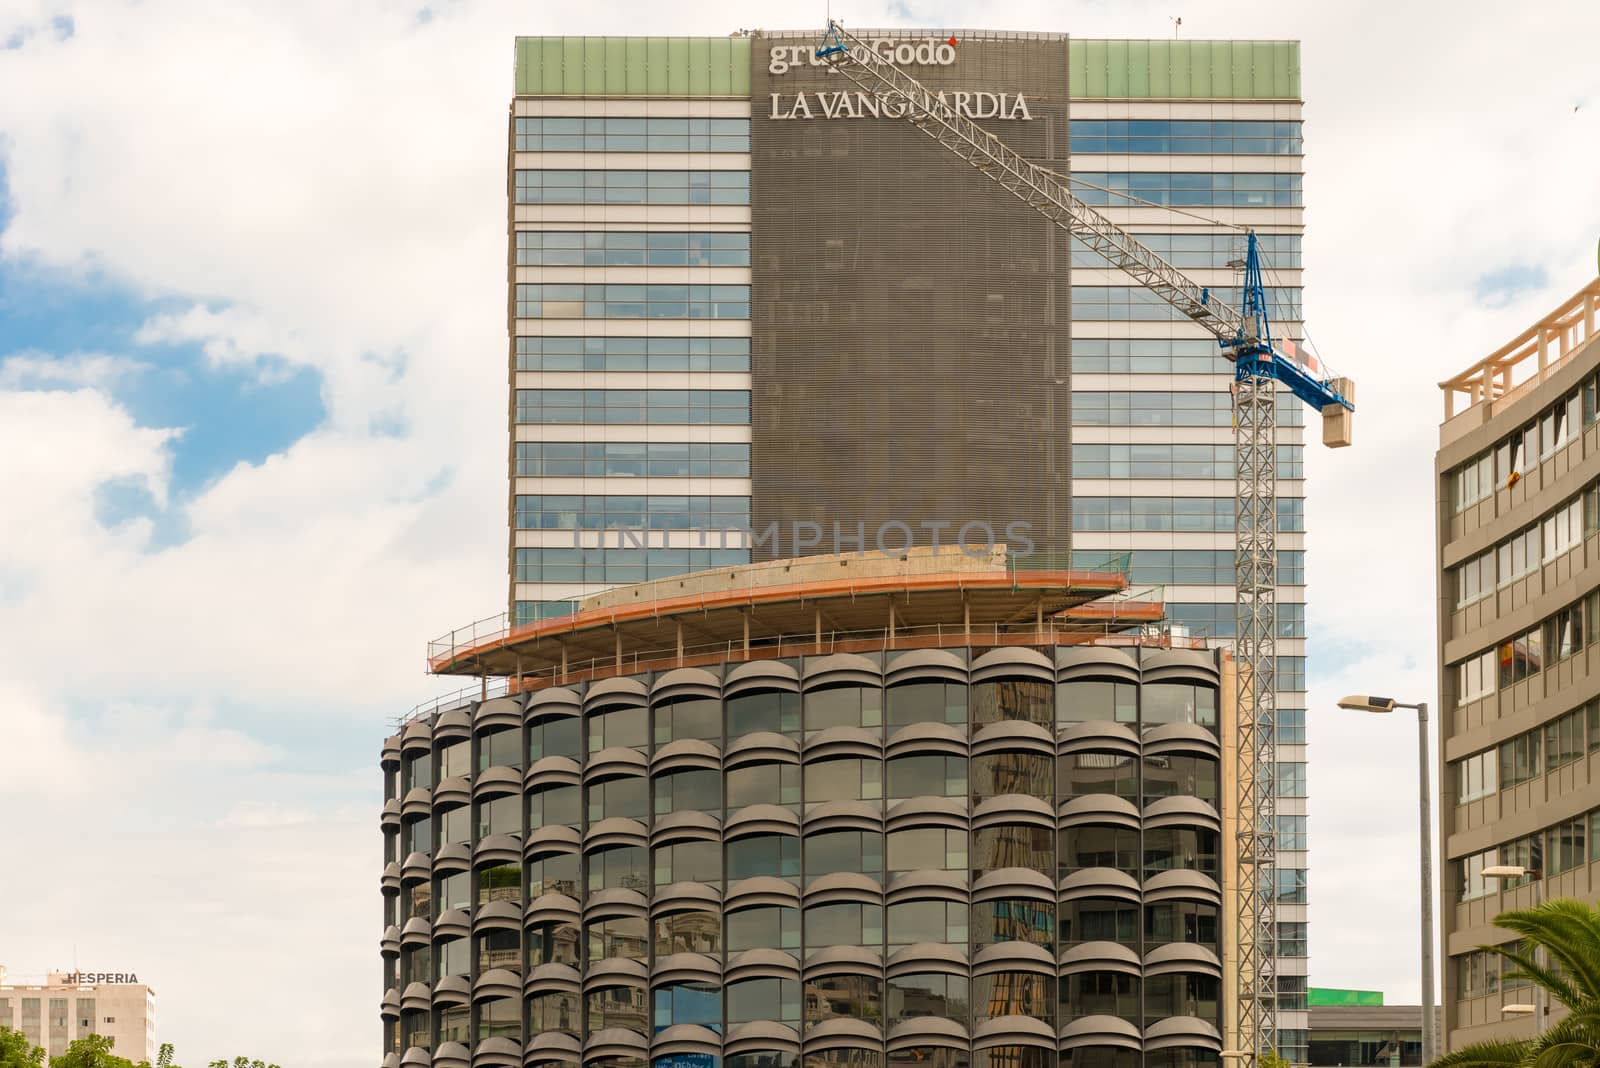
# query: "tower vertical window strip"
1255,398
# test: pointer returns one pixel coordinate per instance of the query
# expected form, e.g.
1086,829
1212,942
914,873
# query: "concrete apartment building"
741,297
72,1005
855,812
1519,617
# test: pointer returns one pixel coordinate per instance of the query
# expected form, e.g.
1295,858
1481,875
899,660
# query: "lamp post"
1517,871
1365,703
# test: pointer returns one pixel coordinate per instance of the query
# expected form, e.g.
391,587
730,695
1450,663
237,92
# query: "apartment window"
1145,355
602,301
1219,137
1564,632
1291,673
634,187
615,566
656,512
1564,740
1293,994
632,459
1292,832
1563,529
1291,886
1565,846
560,353
1474,580
1475,677
1519,759
1190,189
1291,778
1291,726
1478,776
1477,973
1519,555
612,133
1135,304
1473,481
85,1010
612,248
1292,940
660,407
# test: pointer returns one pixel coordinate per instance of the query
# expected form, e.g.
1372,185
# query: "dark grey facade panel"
912,322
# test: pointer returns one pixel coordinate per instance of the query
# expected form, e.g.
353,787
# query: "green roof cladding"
720,67
1184,70
1325,996
633,66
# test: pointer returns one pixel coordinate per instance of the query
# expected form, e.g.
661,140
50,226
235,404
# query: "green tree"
15,1051
1272,1059
92,1051
1569,933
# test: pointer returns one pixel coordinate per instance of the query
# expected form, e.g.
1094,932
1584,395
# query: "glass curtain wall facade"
738,299
970,856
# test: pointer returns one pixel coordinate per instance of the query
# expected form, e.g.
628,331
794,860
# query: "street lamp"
1518,871
1367,703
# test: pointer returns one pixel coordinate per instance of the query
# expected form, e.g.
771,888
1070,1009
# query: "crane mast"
1245,338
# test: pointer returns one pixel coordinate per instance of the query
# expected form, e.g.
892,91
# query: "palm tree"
1569,933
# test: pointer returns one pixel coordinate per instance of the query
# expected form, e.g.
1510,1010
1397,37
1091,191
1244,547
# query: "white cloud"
322,186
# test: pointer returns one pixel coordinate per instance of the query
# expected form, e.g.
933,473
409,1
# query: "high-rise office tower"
753,314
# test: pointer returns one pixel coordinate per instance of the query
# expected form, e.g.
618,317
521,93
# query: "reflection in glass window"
846,779
455,891
1013,920
1180,702
1091,700
1084,773
931,775
500,749
852,851
763,999
1180,774
502,815
455,760
688,1003
927,849
1100,845
846,923
699,862
927,994
1100,994
618,936
1099,919
849,1057
1191,848
688,932
777,711
1029,700
694,790
695,717
1180,921
619,726
926,702
1013,846
556,873
552,943
776,855
620,868
854,997
499,882
558,736
844,706
500,1018
763,784
619,1006
1013,994
1014,1057
763,928
995,774
555,806
765,1059
911,922
627,797
555,1012
499,949
1181,995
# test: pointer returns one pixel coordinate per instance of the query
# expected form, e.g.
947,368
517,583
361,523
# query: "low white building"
72,1005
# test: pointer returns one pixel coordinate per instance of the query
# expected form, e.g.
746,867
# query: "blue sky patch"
1499,288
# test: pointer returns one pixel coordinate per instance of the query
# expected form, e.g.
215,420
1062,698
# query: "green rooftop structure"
1327,996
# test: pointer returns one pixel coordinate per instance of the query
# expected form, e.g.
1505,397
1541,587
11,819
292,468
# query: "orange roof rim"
1088,581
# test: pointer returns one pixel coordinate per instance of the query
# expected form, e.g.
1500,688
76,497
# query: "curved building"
847,811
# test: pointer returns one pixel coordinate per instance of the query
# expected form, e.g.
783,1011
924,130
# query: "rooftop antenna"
1177,20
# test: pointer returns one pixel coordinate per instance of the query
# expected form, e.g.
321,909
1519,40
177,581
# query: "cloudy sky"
252,436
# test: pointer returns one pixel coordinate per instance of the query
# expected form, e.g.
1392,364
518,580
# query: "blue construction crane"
1245,337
